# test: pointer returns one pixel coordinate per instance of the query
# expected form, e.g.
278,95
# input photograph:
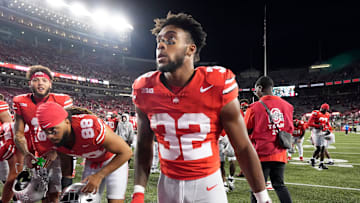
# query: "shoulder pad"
216,75
145,79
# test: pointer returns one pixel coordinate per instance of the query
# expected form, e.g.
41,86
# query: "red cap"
50,114
325,106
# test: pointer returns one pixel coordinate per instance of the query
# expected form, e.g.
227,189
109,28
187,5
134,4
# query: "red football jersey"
89,132
299,128
318,119
25,106
132,120
187,124
7,143
4,107
112,123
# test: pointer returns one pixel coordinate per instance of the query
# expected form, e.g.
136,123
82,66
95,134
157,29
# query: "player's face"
323,110
172,43
40,86
58,134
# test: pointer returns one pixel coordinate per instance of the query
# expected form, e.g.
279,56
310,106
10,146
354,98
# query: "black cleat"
323,166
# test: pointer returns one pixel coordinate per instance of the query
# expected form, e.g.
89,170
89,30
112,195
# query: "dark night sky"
299,33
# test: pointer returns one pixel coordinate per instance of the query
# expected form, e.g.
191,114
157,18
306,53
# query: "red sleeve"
68,102
230,91
99,129
312,121
3,106
16,106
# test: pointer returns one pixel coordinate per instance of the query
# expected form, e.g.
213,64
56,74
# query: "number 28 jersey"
187,124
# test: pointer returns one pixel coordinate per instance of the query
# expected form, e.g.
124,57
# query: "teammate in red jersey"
113,121
320,121
298,137
187,108
25,105
12,157
4,117
78,132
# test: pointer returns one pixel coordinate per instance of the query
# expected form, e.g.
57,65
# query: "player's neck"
38,99
180,77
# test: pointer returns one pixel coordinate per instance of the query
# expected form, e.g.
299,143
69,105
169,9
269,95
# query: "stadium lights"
56,3
121,24
320,66
79,10
100,17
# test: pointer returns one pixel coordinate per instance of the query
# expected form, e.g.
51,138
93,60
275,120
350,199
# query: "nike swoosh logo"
44,126
202,90
210,188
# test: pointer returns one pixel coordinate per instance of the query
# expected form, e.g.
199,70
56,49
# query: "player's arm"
312,123
15,167
247,157
5,117
143,155
20,140
116,145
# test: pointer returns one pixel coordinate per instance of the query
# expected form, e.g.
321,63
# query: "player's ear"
191,50
67,121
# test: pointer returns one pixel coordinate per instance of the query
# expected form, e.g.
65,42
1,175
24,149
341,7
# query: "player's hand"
49,157
30,160
92,183
138,197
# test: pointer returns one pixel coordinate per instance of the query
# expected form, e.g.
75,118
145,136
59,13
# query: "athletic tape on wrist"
139,188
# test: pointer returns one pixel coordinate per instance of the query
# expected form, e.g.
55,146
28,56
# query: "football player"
298,137
187,108
4,117
226,150
319,120
13,158
78,132
25,105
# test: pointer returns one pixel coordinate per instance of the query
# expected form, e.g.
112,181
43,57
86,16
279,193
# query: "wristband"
262,197
139,188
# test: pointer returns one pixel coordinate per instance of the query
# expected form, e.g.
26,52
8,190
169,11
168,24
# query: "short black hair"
187,23
265,82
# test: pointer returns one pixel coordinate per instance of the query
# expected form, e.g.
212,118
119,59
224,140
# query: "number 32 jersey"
187,124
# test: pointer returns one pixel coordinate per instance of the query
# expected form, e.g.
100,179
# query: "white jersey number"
87,131
183,145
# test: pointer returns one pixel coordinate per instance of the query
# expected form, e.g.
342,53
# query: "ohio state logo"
276,115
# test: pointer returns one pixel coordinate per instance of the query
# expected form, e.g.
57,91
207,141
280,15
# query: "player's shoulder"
146,80
3,103
315,112
216,75
22,98
60,96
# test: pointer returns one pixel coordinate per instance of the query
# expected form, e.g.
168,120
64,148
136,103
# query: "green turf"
342,180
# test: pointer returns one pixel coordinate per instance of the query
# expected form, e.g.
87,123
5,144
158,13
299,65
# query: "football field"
340,183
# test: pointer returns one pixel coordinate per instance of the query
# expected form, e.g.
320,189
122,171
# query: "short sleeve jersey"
4,107
26,106
299,128
89,132
318,119
187,124
7,143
